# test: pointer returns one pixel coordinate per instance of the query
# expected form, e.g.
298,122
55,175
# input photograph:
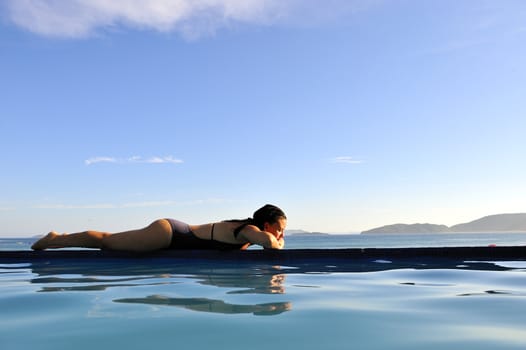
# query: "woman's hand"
281,242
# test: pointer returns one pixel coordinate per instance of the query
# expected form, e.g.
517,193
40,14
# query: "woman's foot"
45,242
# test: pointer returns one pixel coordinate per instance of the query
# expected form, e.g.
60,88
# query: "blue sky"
347,114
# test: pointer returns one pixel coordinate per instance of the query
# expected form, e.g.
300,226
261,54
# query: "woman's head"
269,215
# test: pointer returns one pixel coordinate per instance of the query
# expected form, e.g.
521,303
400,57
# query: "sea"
375,304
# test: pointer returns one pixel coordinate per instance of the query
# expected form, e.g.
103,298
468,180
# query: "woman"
266,229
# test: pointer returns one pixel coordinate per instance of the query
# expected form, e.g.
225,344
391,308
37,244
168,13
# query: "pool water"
376,304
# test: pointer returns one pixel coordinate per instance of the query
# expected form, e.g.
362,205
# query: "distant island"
406,228
492,223
303,233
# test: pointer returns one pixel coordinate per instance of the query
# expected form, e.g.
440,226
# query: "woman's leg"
157,235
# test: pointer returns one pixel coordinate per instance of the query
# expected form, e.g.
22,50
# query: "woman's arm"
265,239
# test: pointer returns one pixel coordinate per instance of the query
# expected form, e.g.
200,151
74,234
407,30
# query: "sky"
347,114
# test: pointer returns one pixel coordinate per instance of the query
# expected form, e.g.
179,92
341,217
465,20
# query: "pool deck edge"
482,253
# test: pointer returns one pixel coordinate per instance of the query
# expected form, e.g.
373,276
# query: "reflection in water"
494,292
162,277
211,305
88,283
92,277
253,283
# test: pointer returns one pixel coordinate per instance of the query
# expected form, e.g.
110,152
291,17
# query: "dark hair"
268,213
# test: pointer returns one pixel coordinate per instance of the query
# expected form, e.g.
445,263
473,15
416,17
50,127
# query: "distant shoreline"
498,223
305,233
443,232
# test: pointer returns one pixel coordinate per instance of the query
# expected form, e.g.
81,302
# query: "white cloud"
105,205
69,206
6,208
346,160
191,18
100,160
155,160
82,18
172,203
143,204
134,159
149,204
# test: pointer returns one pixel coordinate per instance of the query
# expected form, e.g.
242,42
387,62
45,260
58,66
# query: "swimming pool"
369,304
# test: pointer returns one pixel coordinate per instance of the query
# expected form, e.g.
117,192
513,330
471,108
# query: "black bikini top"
237,230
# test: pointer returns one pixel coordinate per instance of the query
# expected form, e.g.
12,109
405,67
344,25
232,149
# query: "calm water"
136,304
